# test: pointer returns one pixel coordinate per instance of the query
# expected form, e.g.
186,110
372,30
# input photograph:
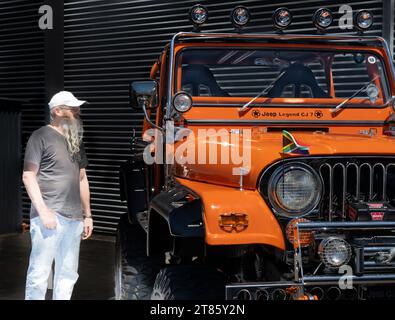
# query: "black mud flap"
135,179
176,223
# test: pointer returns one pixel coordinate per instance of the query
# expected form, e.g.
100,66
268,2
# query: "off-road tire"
134,272
189,283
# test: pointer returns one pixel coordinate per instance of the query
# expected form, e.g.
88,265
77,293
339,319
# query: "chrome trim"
171,74
286,122
254,288
365,279
337,226
288,105
276,38
384,186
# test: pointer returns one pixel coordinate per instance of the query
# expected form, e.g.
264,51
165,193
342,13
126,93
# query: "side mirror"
144,94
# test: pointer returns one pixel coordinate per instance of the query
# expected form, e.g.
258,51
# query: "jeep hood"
265,149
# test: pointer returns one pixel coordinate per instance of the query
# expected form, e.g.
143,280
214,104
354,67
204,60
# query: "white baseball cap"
65,98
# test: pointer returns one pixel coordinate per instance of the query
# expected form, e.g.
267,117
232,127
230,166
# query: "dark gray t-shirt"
58,175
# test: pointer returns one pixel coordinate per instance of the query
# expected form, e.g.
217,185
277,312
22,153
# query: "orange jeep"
266,168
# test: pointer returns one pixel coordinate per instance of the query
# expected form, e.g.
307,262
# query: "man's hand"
48,219
88,228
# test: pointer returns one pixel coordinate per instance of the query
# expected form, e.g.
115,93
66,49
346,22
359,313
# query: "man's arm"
85,200
29,178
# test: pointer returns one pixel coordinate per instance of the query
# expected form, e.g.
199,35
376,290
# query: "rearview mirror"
144,94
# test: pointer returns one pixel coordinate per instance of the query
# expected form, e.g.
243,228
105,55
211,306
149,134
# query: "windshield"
289,75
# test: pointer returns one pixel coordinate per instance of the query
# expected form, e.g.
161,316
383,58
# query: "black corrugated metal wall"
10,159
108,44
22,73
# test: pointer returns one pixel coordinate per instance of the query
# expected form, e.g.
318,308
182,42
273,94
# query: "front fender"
263,227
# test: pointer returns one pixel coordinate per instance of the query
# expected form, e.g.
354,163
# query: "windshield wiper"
340,105
264,91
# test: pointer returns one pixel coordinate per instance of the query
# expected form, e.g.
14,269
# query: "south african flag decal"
291,146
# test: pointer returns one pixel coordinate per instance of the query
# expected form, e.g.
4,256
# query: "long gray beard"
73,132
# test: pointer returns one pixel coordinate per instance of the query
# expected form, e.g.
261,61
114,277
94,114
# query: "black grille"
354,180
345,180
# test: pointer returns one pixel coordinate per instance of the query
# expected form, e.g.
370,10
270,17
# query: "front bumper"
364,273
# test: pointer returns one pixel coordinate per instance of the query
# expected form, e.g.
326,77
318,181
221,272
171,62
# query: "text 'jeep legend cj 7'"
266,167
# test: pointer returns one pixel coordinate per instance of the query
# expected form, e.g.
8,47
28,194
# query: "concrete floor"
96,269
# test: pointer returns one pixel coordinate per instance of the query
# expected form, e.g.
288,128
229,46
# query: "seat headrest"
297,74
196,75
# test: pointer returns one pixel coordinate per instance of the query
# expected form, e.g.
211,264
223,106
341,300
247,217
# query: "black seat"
198,80
297,75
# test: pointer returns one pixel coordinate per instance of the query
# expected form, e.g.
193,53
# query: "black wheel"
134,272
189,283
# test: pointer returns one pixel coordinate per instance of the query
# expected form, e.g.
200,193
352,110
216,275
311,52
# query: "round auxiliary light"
323,18
182,101
198,14
282,18
240,16
334,252
363,20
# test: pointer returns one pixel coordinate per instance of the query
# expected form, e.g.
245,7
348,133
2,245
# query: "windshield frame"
316,102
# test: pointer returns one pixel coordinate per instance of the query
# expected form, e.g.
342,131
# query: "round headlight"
240,16
282,18
363,20
182,101
323,18
334,252
294,190
198,14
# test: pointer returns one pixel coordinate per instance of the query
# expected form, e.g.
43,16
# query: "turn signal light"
305,237
233,222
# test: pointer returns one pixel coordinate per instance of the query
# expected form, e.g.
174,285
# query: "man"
55,179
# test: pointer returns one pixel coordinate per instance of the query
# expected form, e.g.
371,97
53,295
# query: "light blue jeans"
61,244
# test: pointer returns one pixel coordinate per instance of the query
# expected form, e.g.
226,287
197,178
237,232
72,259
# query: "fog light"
282,18
230,222
305,237
363,20
322,18
240,16
182,101
198,14
334,252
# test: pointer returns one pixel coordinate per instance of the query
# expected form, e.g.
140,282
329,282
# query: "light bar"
322,18
198,15
282,18
363,20
240,16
